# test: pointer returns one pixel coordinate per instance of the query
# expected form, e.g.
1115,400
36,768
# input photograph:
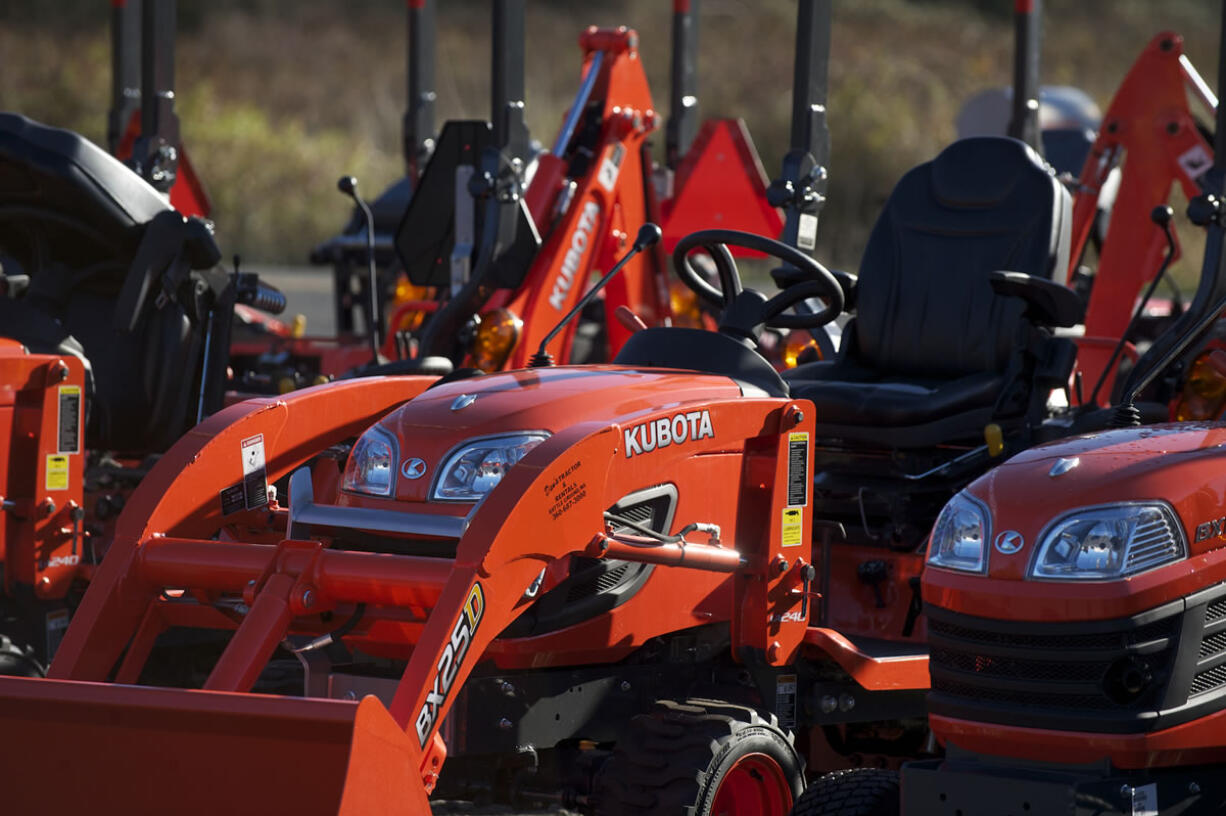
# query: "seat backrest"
924,304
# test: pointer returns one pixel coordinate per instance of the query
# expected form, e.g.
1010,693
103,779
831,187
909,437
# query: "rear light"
495,338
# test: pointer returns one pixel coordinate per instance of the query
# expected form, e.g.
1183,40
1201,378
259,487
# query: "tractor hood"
444,418
1182,466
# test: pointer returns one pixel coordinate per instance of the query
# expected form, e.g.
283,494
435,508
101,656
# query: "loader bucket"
106,748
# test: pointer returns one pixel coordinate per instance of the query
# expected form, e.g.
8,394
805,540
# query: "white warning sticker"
255,484
806,231
1195,161
1145,800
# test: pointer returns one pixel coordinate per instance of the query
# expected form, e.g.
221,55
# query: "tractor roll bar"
418,128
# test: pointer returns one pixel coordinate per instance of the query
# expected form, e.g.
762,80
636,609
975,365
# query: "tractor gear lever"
648,236
349,186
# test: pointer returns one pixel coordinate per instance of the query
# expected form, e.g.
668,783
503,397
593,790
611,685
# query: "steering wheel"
822,283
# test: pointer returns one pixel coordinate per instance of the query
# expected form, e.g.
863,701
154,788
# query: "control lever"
807,574
349,186
649,234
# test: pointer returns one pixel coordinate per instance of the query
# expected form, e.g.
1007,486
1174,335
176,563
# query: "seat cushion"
863,399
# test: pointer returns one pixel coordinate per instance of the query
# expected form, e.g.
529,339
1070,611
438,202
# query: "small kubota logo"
1009,542
413,468
660,433
450,661
579,241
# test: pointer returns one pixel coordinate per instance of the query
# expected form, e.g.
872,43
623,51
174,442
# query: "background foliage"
279,97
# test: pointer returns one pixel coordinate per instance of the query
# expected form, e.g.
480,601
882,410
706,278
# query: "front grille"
1213,644
1215,612
1070,642
1209,680
1042,671
1093,702
1050,668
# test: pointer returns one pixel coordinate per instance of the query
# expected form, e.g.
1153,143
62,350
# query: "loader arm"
182,496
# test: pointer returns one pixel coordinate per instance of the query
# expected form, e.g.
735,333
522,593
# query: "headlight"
475,468
960,535
1096,543
371,468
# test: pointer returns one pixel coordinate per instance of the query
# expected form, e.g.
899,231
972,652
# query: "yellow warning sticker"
793,527
57,472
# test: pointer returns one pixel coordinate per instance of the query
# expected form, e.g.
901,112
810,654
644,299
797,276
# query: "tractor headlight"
371,468
475,468
959,538
1097,543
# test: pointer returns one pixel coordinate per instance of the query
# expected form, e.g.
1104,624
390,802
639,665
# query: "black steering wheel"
821,283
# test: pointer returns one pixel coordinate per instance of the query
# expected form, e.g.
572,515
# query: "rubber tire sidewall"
753,739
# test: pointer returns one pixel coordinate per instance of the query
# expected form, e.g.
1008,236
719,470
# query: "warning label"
793,527
798,469
785,700
57,472
70,419
611,167
255,482
233,499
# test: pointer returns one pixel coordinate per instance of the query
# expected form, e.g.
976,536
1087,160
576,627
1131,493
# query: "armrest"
1047,302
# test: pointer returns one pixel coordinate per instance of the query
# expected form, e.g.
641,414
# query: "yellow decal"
793,527
57,472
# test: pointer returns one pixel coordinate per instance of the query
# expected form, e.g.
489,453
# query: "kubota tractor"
1076,602
619,582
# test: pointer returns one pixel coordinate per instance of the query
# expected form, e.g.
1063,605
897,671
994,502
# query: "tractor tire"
16,663
858,792
700,758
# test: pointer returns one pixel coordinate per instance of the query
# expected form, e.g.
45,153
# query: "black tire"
673,760
858,792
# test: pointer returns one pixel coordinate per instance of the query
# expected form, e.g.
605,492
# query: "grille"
1213,644
1053,670
1153,542
1102,640
1094,702
1208,680
1216,611
1041,671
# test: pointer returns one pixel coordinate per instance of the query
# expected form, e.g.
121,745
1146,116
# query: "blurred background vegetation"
279,97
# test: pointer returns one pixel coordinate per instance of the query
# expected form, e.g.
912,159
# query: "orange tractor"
679,581
615,582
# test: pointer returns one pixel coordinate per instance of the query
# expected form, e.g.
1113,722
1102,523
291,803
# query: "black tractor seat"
942,342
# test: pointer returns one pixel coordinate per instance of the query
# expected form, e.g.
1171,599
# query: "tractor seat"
48,173
942,343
